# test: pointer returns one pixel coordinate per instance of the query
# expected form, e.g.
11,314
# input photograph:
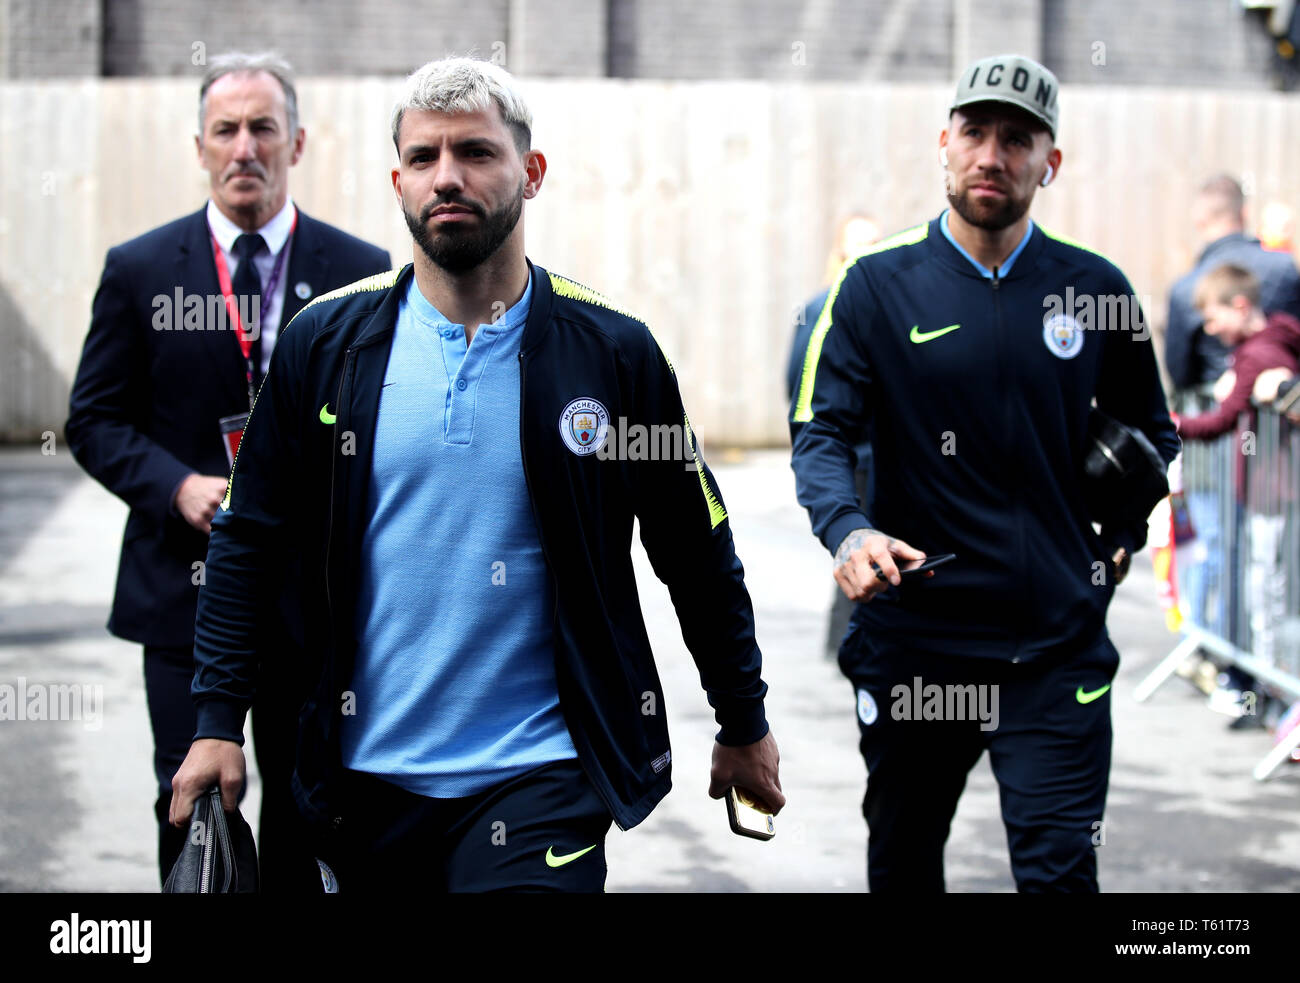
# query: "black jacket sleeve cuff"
1126,536
743,725
842,526
220,720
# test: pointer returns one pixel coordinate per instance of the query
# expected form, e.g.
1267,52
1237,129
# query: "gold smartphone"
747,817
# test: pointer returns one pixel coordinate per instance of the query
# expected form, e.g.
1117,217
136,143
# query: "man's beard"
985,216
458,250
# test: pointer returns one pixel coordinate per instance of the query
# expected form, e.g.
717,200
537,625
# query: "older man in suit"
181,330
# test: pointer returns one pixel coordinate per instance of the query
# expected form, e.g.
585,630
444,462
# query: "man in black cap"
973,346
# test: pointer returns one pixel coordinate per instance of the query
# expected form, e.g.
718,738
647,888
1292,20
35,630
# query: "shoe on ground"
1227,702
1247,721
1254,711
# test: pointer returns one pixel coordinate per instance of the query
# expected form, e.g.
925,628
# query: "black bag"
219,856
1124,476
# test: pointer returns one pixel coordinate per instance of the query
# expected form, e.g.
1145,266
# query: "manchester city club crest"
327,879
584,425
867,709
1062,335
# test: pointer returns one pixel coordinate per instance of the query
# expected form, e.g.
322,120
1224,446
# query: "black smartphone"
747,817
921,566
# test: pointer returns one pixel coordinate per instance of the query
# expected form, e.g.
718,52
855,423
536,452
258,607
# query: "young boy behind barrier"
1228,298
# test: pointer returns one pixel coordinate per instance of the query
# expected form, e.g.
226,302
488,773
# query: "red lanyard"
232,304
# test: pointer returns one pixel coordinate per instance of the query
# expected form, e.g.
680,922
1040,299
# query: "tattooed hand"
864,563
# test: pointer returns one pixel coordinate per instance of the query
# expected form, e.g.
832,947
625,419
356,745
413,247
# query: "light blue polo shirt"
984,271
454,679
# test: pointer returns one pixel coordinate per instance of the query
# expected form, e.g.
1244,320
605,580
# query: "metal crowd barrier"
1242,600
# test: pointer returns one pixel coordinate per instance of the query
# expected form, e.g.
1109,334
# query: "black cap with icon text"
1014,80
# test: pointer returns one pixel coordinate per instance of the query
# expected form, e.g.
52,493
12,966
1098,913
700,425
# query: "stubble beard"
458,250
993,218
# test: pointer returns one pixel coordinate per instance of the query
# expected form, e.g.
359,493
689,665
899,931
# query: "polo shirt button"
461,384
448,333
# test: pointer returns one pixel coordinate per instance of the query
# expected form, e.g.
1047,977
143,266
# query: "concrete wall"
708,208
158,37
1199,43
51,38
1189,43
775,39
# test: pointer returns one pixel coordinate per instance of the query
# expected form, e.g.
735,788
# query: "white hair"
465,85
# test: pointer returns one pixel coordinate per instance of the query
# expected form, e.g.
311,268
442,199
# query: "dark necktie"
248,292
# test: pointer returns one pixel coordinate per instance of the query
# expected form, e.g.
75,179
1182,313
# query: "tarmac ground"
1183,813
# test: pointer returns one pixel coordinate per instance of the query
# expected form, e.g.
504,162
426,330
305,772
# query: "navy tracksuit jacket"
979,391
299,486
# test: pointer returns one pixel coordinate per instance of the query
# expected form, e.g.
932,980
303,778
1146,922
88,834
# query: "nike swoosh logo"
326,417
1083,697
553,861
920,337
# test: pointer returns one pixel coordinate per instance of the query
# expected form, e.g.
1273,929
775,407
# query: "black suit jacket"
149,391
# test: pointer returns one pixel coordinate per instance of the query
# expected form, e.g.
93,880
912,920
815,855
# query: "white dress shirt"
276,234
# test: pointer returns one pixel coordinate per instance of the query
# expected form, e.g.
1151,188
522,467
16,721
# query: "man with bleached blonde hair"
485,700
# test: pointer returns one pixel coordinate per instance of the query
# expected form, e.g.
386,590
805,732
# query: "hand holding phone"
866,563
914,567
747,817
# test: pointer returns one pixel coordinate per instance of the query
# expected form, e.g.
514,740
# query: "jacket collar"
382,324
196,273
274,233
951,257
309,261
308,274
1232,238
194,246
539,314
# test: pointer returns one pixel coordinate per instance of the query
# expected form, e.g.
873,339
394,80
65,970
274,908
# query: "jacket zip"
555,594
334,458
329,530
1016,487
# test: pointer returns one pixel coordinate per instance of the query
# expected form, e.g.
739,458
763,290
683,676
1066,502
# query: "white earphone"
1047,178
943,156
